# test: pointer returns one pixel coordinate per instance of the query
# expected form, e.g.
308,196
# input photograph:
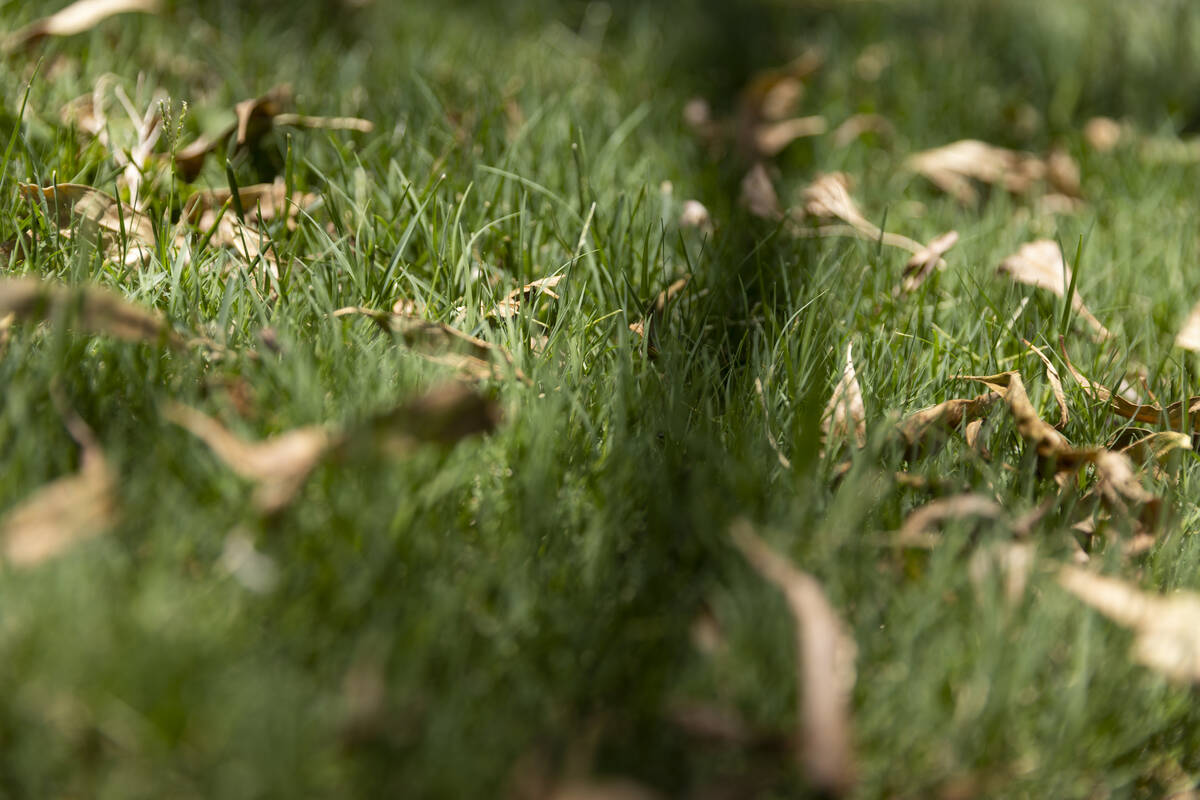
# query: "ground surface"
560,601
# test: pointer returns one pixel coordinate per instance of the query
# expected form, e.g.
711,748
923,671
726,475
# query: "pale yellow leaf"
76,18
845,414
1041,264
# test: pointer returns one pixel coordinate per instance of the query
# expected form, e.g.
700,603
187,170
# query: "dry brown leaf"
445,414
845,415
1189,335
1172,415
828,197
1060,397
66,511
1048,442
952,167
444,344
71,204
510,306
695,215
917,427
254,119
758,195
603,789
1062,173
647,326
1156,446
924,262
78,17
915,532
858,124
1102,133
93,309
1041,264
772,138
279,465
825,660
1166,628
262,203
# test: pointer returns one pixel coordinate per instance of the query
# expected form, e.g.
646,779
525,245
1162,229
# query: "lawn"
522,400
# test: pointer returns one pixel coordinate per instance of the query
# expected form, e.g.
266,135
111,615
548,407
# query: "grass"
443,621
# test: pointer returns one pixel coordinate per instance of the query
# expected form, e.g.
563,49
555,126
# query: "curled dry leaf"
1041,264
828,197
647,326
1189,335
859,124
758,195
952,167
772,138
254,119
915,532
510,305
66,511
262,202
926,261
1048,442
1060,397
1102,133
845,415
280,465
95,212
92,309
1172,415
444,344
695,215
825,678
78,17
1157,446
918,427
1166,629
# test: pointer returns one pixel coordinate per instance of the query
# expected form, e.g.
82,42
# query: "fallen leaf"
825,660
1041,264
1189,335
952,167
858,124
1102,134
78,17
72,203
92,309
510,305
771,138
443,344
695,215
254,118
917,427
1062,173
924,262
758,195
1172,415
1047,441
647,326
845,413
1060,396
1157,445
915,532
262,202
603,789
66,511
828,197
278,465
1166,628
